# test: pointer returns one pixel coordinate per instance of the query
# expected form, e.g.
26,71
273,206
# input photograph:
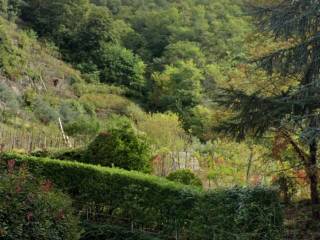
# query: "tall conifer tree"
297,110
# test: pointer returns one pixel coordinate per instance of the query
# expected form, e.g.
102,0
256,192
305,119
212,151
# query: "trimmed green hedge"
109,232
75,154
171,208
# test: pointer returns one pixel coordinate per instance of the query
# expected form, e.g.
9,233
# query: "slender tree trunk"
249,165
313,177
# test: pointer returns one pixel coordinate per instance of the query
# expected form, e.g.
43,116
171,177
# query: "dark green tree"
178,87
58,20
295,112
119,147
120,66
10,9
94,33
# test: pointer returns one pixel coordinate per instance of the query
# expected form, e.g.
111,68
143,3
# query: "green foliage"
10,55
185,176
199,121
61,154
89,38
83,125
108,232
70,110
59,20
10,9
164,131
125,43
184,51
222,214
44,111
121,31
106,102
293,112
121,67
30,209
119,147
153,31
92,36
79,119
178,87
83,88
8,99
297,105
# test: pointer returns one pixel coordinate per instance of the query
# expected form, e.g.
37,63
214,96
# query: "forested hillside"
152,64
158,119
168,56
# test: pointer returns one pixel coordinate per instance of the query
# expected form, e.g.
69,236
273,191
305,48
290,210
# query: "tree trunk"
249,165
313,177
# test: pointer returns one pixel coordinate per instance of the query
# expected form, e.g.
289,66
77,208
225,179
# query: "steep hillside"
31,73
155,67
99,96
37,88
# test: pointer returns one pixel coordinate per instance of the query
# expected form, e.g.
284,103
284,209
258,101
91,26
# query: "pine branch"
293,60
289,19
256,114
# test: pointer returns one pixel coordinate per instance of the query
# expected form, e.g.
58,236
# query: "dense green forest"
159,119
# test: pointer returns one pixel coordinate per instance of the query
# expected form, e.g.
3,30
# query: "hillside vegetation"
154,74
159,119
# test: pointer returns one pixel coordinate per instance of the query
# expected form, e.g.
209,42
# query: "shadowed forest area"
159,119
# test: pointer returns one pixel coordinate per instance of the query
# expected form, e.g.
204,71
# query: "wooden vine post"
64,136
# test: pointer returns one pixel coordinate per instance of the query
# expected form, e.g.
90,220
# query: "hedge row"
109,232
74,154
171,208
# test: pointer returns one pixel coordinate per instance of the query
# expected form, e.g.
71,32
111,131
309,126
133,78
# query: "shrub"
83,125
70,110
98,232
9,102
116,121
185,176
33,210
8,97
29,96
79,119
171,208
165,132
107,102
119,147
44,112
